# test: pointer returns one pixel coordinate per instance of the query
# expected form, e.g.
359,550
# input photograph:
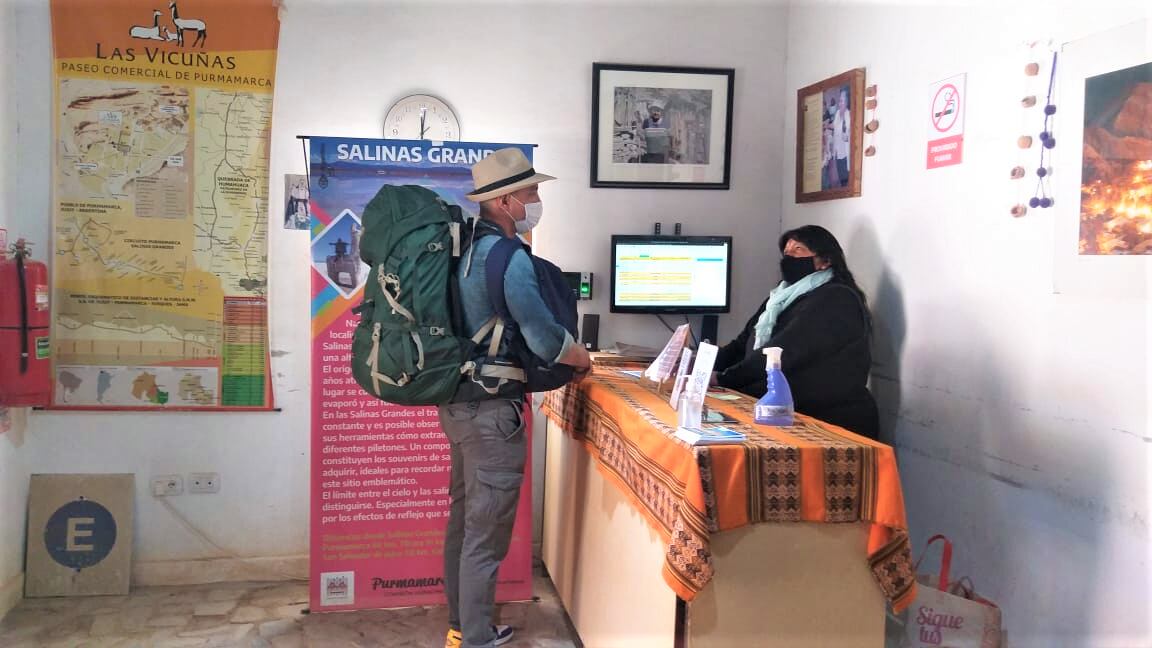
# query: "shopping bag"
947,614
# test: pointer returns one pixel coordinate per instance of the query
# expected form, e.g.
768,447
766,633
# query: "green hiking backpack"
406,348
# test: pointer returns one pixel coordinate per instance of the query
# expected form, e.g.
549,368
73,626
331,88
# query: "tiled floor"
257,615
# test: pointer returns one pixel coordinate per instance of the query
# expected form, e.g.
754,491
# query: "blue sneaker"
503,634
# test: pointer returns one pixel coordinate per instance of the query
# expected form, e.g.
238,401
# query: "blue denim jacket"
543,334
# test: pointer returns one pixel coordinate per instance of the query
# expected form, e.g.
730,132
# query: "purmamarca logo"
397,583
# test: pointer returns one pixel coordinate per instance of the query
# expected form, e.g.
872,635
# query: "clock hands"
423,129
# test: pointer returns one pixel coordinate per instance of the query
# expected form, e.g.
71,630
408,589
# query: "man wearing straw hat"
484,424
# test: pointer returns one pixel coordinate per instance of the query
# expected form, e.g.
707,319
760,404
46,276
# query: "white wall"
1021,417
513,73
521,72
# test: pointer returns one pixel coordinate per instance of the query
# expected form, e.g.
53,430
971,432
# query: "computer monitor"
671,274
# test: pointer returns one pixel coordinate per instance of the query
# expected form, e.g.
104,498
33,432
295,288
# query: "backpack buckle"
436,330
435,246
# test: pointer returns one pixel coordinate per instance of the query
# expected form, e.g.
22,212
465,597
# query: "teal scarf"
781,298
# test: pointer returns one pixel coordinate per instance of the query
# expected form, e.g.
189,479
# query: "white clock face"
421,117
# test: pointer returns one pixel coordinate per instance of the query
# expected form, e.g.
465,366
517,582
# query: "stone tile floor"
257,615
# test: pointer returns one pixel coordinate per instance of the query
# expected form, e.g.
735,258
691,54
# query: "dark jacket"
826,336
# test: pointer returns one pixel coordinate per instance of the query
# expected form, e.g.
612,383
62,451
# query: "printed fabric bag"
948,614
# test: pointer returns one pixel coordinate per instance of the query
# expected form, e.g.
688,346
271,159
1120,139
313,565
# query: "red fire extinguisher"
25,348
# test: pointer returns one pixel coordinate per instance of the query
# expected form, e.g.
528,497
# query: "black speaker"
708,329
590,332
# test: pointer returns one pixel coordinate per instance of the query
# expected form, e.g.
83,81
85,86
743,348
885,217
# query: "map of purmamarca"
161,212
112,133
231,213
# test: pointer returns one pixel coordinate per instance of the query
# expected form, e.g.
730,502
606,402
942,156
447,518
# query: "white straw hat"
502,173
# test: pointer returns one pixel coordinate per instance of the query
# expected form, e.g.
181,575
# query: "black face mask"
793,269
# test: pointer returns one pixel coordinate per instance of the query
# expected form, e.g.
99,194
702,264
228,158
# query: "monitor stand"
708,328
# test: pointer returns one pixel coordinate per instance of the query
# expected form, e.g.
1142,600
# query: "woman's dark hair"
824,245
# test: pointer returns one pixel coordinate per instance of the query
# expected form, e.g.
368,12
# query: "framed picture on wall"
829,133
657,127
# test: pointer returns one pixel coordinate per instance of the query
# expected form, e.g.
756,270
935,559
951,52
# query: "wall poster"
380,472
160,191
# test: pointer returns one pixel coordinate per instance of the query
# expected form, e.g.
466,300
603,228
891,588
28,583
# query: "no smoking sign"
946,122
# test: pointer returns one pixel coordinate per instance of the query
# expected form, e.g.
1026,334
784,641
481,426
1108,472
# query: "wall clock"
421,117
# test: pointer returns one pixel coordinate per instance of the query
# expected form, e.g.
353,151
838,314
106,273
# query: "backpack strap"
499,256
503,374
497,264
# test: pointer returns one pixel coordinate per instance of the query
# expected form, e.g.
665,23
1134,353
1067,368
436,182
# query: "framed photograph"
829,132
657,127
1114,220
296,215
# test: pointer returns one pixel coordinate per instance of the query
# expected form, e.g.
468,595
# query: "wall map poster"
162,121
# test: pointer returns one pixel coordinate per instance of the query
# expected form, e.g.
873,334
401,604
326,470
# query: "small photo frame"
658,127
296,215
829,136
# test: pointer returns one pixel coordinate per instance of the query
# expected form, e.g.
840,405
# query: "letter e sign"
80,534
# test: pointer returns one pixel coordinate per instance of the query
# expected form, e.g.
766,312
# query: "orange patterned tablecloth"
809,472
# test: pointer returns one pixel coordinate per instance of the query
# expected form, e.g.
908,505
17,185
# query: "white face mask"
533,212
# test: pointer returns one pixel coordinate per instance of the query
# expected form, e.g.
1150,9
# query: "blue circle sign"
80,534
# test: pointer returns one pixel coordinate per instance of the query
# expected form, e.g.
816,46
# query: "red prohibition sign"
945,118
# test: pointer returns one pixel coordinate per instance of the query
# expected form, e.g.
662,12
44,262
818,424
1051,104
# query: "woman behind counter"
819,317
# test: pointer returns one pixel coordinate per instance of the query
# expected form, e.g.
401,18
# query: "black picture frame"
655,127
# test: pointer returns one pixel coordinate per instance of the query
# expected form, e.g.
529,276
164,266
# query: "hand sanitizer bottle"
775,406
689,409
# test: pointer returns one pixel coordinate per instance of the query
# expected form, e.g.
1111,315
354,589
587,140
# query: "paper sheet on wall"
813,125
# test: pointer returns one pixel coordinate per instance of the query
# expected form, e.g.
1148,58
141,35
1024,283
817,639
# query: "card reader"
581,284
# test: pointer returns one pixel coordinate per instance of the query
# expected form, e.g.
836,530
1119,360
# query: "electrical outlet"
203,483
167,485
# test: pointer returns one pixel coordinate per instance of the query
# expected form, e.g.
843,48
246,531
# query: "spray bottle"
775,406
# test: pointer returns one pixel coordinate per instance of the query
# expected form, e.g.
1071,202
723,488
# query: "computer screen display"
671,274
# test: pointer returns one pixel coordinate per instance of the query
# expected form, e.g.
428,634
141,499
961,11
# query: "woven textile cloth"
809,472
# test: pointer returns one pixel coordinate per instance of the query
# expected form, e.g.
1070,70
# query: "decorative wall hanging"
871,123
829,137
661,127
1042,194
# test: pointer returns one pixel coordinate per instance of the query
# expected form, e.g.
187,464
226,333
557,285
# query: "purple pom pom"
1041,172
1044,135
1034,203
1049,109
1050,142
1045,202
